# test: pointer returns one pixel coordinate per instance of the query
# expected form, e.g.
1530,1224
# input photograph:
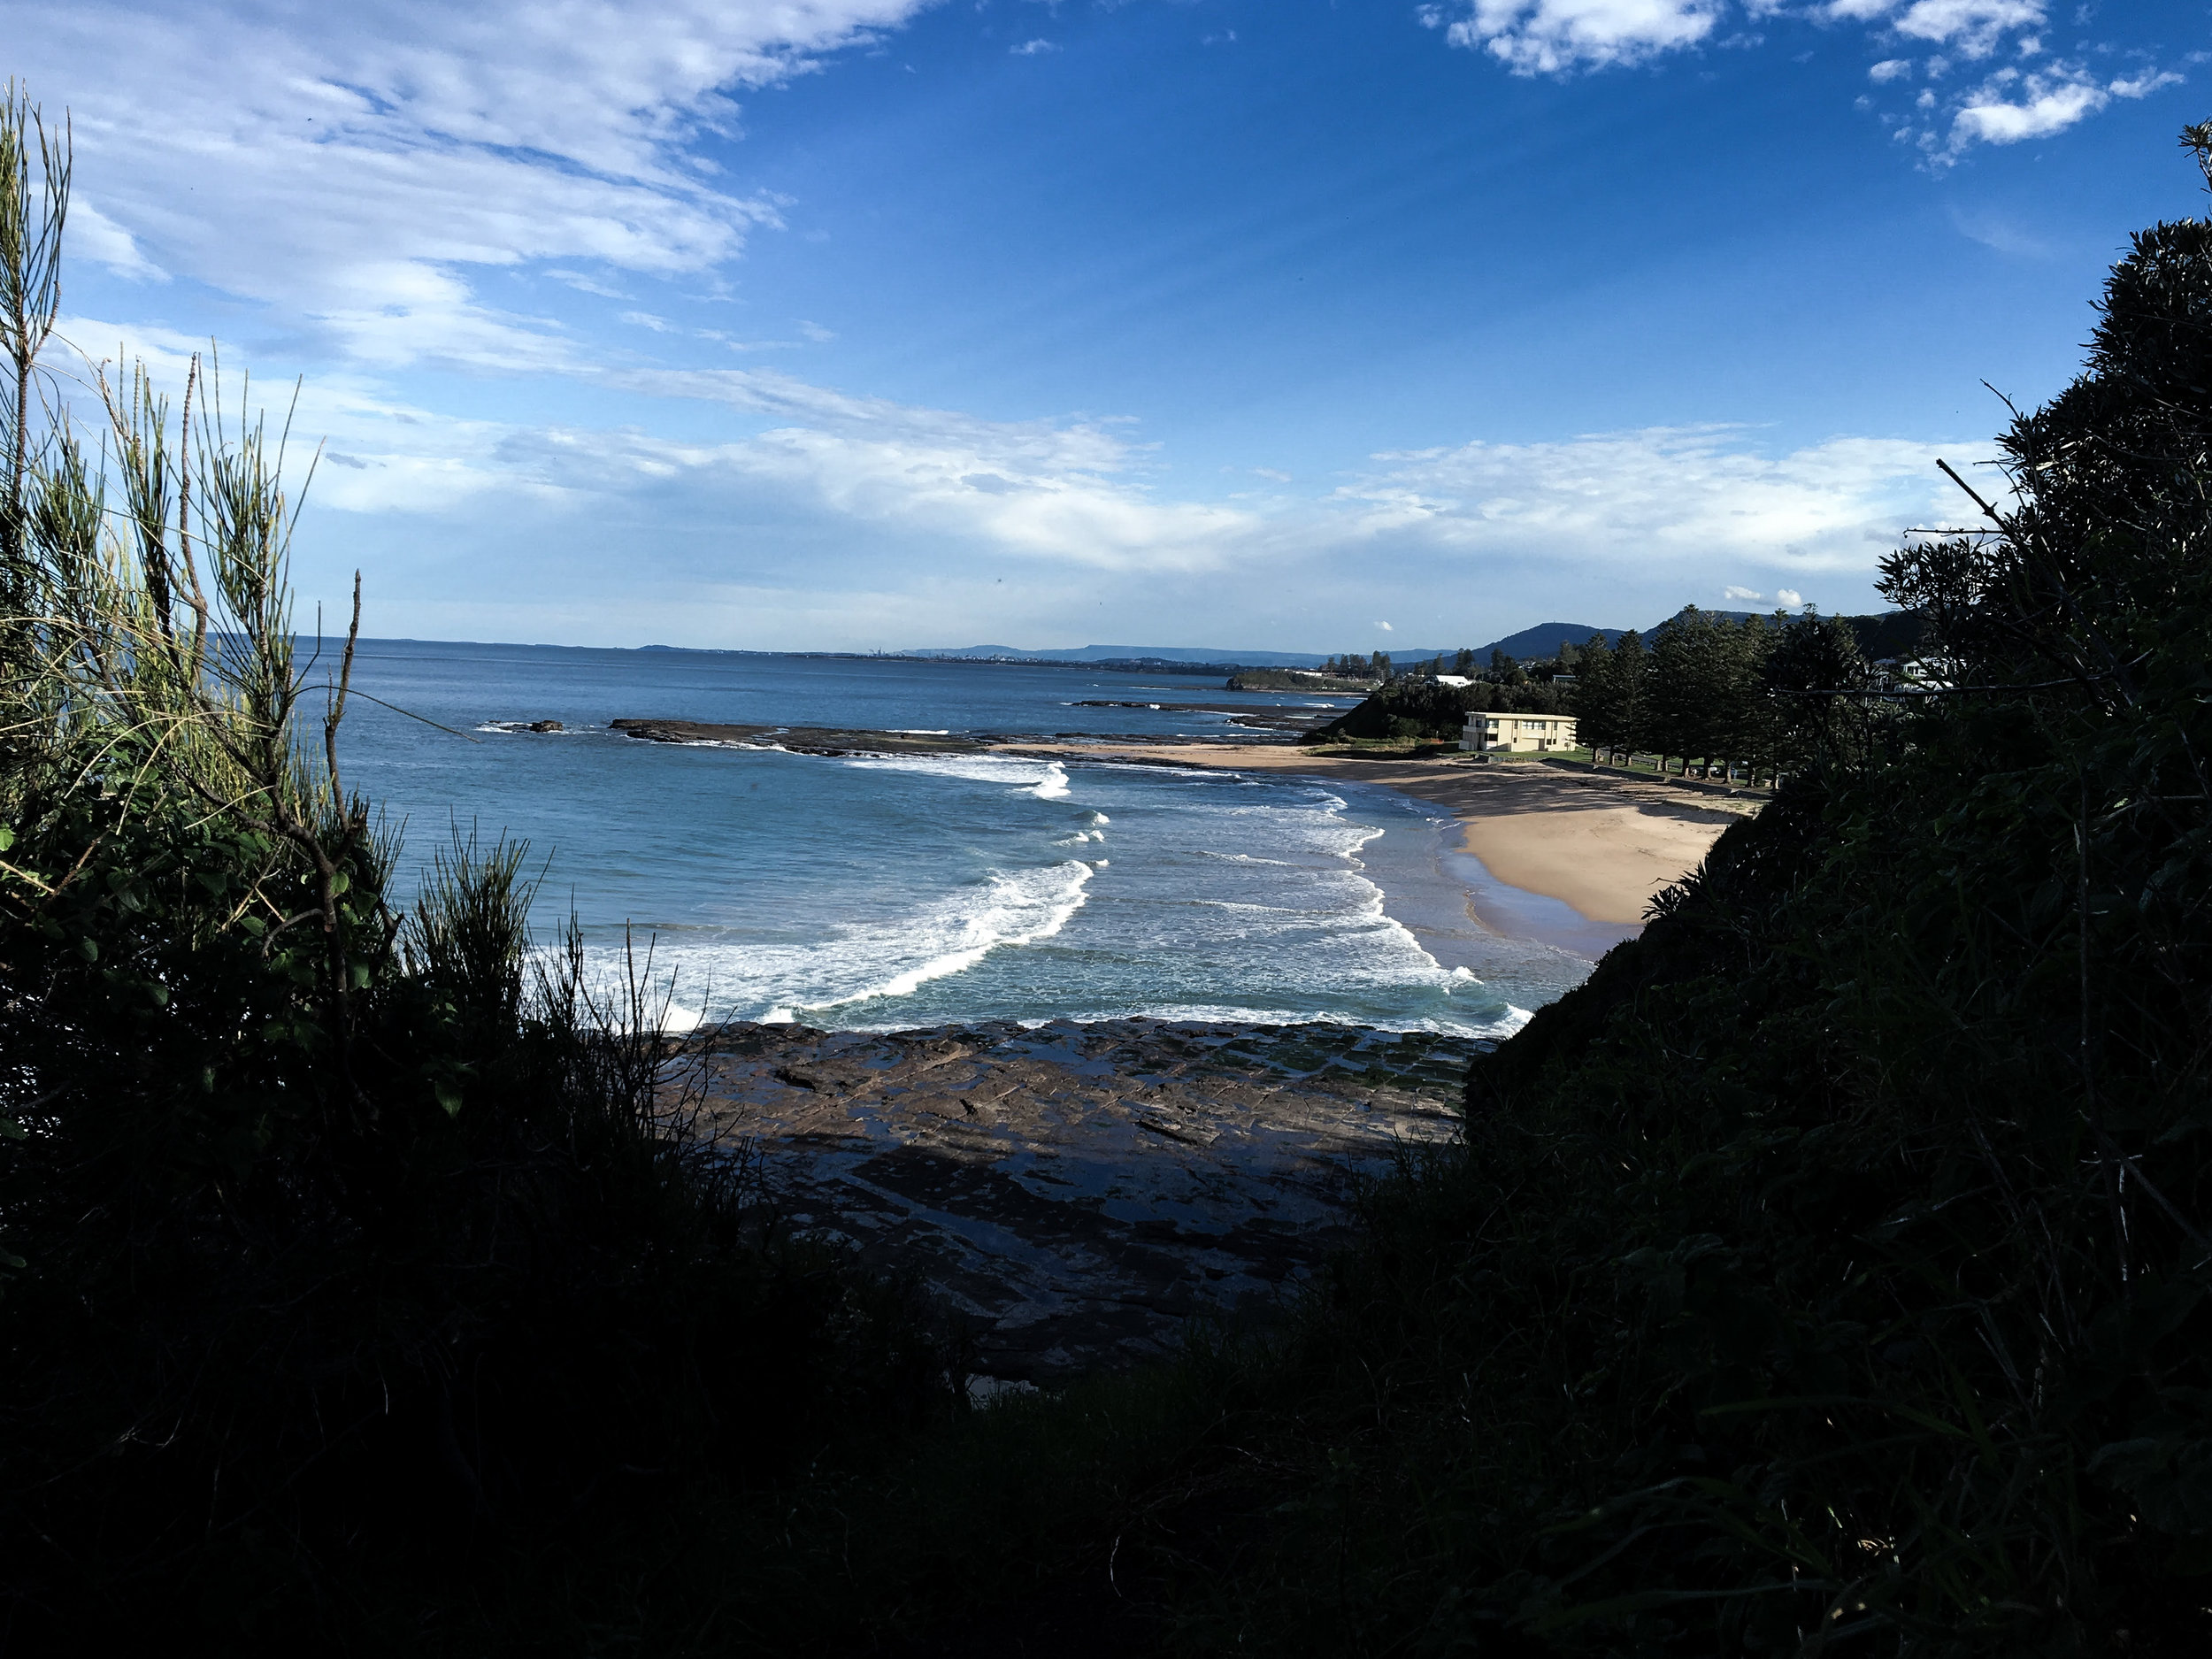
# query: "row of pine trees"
1718,696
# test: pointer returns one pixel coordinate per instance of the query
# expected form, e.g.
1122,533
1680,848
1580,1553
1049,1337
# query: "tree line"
1502,669
1719,696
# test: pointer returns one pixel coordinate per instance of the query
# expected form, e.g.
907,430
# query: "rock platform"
1078,1192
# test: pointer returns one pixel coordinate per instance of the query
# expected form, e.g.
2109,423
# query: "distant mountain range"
1893,633
1131,654
1540,640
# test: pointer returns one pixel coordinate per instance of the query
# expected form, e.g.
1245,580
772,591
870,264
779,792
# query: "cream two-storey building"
1518,734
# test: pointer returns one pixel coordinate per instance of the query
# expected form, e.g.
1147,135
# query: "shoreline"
1568,859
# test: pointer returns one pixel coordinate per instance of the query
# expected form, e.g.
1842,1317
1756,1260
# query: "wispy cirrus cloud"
356,177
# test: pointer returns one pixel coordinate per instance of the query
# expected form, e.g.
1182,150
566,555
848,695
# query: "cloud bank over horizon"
1650,518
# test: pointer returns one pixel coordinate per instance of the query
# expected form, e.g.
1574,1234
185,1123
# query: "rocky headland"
801,739
1252,724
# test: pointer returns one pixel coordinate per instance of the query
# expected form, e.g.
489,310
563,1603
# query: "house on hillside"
1517,733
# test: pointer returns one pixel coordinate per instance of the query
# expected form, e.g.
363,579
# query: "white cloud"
1971,27
1650,512
94,235
1656,501
1031,49
351,175
809,521
1548,37
1554,37
1385,628
2010,106
1994,120
1663,497
400,457
1786,598
583,284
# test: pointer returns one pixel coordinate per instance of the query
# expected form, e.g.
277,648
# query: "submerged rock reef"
1077,1192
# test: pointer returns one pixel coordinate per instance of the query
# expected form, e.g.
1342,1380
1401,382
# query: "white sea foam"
1048,779
1020,908
1266,896
522,728
945,937
1234,1014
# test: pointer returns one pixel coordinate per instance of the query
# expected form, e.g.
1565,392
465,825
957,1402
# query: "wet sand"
1603,844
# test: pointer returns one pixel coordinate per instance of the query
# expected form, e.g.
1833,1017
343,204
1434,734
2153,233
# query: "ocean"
901,892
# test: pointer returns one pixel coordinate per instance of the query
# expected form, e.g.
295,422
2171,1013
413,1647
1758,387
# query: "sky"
859,325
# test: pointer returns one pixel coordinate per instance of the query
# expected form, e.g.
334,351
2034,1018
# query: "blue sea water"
901,892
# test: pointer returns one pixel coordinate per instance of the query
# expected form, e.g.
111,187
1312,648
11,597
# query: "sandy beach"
1603,843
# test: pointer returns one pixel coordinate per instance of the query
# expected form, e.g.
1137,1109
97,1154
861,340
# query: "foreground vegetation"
1828,1274
343,1249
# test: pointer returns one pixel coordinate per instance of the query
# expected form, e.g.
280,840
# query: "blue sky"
866,324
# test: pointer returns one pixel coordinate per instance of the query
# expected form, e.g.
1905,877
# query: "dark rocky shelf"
804,740
1077,1192
1263,725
